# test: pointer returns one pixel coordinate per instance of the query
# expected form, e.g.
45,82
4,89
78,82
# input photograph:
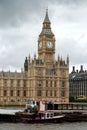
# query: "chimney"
81,69
73,70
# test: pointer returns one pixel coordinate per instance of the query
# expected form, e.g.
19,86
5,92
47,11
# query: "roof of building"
78,76
47,29
13,74
46,19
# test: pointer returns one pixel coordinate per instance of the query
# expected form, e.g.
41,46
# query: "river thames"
60,126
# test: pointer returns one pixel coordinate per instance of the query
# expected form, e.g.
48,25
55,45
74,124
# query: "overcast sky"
21,24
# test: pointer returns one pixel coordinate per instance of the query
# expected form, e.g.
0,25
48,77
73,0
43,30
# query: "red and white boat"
44,117
35,113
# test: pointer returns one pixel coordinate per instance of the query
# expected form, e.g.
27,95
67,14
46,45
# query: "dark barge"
75,117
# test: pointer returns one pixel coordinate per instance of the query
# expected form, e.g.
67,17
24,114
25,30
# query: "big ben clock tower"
47,77
46,42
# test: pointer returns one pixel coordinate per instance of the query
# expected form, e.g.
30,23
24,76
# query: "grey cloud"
70,2
74,49
14,12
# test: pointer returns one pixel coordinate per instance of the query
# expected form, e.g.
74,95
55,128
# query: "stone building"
43,78
78,83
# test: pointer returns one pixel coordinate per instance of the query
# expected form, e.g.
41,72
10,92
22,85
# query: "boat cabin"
46,114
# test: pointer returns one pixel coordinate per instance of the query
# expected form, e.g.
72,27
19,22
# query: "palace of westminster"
43,78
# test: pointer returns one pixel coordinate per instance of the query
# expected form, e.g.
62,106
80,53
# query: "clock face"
49,44
40,45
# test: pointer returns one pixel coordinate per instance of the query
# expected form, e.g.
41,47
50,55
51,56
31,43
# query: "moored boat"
37,113
44,117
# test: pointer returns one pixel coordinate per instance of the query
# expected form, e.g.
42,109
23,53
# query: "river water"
61,126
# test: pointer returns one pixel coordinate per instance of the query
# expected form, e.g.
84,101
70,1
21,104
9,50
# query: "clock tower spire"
46,42
46,29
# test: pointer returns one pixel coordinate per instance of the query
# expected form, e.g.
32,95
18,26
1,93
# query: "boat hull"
54,120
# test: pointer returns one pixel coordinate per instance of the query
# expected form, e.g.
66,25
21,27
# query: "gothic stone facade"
78,83
43,78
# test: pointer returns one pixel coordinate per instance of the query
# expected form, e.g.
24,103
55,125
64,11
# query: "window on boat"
47,115
51,115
